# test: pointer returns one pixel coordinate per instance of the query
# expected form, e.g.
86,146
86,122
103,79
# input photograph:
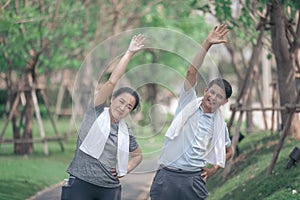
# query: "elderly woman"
106,149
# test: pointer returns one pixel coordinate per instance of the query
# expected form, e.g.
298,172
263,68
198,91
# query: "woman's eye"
129,107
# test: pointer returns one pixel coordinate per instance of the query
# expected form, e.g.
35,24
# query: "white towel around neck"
94,142
216,154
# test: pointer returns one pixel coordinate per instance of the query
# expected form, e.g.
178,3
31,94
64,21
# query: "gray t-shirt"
98,171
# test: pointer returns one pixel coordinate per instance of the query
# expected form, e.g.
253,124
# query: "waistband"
178,170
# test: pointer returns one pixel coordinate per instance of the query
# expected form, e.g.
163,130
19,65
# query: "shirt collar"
210,115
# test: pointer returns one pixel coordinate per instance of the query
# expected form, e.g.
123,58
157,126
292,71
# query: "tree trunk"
284,62
16,130
27,148
295,128
154,112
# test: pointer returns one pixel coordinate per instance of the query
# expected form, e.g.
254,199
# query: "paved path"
135,186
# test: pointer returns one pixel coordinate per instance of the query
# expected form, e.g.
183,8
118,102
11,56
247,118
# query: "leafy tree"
35,36
274,26
41,35
257,23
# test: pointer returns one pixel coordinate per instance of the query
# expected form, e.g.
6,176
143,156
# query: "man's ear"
225,101
205,90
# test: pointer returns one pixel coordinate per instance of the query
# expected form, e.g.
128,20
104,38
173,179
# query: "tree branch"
55,17
4,6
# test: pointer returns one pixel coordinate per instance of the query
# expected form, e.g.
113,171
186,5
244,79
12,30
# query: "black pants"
177,185
81,190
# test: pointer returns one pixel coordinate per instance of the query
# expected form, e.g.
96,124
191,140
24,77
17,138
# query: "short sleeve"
99,109
133,145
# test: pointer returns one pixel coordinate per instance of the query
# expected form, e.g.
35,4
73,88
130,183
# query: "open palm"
136,43
216,36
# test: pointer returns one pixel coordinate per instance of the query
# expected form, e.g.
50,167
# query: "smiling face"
213,98
121,106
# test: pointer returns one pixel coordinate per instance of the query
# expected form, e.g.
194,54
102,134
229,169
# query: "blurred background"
55,54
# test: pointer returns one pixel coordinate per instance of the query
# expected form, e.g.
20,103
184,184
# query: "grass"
23,176
248,178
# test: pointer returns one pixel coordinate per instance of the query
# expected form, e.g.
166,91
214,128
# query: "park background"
44,46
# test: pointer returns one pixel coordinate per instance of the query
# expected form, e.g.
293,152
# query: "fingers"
136,43
218,33
216,36
221,29
204,175
139,39
114,172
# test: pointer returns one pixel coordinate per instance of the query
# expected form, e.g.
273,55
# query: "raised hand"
136,43
217,35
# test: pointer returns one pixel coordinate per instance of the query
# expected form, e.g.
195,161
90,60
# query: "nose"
213,96
123,106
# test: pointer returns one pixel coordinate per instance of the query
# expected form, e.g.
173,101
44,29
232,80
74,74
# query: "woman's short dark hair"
129,91
222,83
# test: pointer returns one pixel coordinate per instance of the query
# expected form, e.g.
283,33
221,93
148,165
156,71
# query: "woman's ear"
112,98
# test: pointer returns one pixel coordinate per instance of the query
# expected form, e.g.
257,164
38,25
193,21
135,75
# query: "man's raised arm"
214,37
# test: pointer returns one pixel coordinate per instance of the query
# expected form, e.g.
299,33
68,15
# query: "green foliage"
2,110
176,15
248,177
223,10
164,58
291,10
269,56
242,22
145,108
32,31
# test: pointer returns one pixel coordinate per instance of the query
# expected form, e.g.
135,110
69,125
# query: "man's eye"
220,96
